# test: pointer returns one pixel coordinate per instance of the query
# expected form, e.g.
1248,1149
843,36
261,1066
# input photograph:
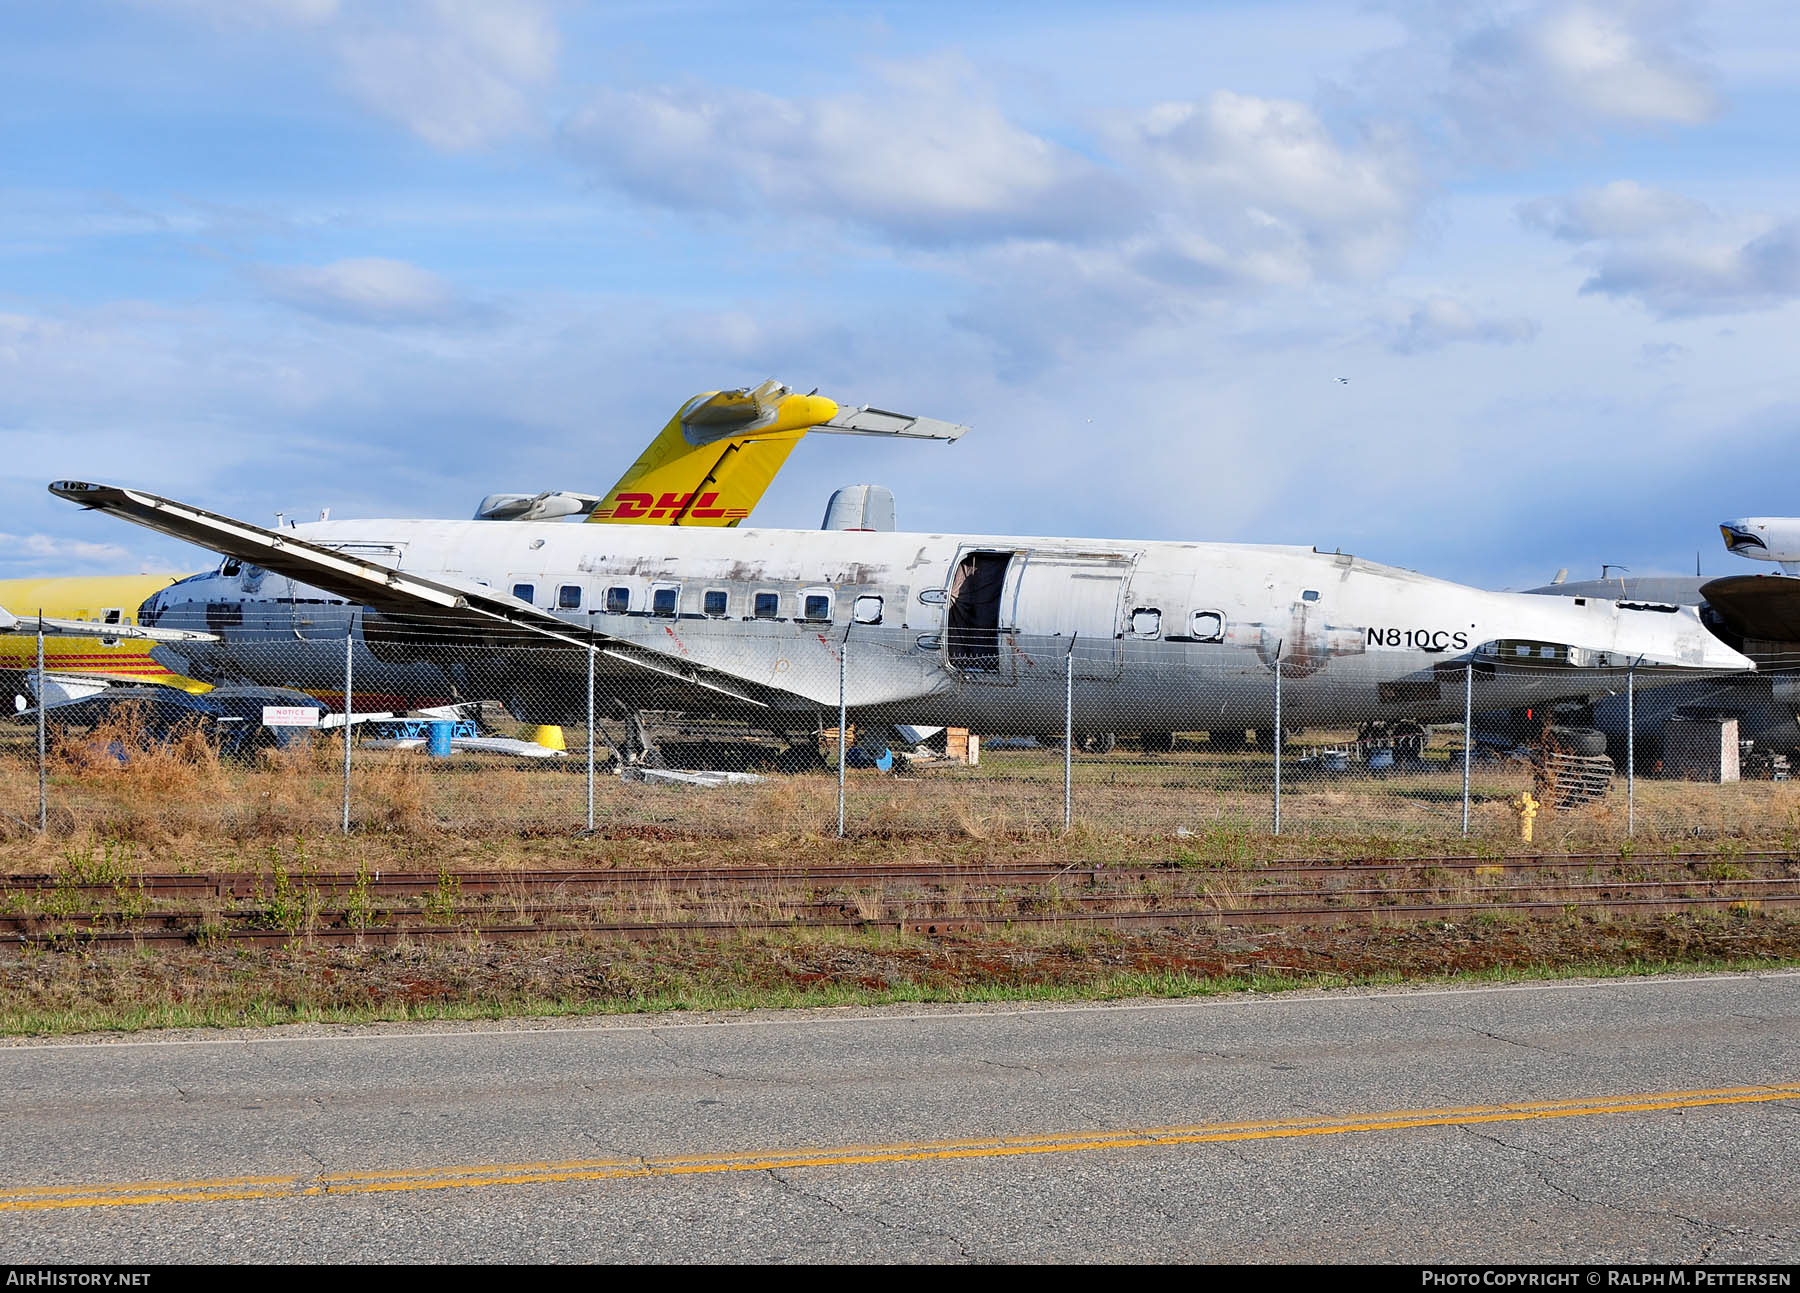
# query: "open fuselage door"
1001,603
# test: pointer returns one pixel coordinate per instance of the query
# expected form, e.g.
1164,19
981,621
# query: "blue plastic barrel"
437,740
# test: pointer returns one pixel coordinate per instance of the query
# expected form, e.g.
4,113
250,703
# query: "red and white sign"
290,716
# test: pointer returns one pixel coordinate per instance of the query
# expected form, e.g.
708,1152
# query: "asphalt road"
1616,1121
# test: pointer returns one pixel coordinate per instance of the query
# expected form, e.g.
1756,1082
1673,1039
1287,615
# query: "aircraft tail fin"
718,455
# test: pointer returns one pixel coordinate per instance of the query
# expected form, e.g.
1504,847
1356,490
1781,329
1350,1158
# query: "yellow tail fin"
715,459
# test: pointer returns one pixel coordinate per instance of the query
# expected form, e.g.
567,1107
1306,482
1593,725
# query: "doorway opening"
972,628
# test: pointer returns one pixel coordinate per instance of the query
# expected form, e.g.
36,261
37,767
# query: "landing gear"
1406,740
639,749
1096,742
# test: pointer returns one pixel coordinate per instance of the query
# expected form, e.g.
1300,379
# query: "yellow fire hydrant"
1527,809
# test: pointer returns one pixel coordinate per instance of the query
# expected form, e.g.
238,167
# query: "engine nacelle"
860,507
551,505
1765,538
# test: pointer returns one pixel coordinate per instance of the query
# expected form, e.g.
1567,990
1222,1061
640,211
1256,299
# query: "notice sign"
290,716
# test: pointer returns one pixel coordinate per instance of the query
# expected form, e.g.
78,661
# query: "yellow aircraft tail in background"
102,599
717,456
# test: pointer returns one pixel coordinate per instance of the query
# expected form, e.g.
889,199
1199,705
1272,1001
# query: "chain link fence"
816,729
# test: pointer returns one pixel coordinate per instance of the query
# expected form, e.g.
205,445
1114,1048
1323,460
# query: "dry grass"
187,806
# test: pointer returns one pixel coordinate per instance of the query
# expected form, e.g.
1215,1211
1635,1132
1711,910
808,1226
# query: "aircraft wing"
50,626
1757,606
432,603
417,605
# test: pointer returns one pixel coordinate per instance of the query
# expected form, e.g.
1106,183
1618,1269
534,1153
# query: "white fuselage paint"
1356,640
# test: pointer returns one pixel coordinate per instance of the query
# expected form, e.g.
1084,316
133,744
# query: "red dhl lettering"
631,507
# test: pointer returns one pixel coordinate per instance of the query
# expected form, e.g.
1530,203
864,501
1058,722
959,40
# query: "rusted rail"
248,884
381,935
788,910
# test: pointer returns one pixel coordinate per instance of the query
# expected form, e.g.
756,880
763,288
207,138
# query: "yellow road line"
470,1176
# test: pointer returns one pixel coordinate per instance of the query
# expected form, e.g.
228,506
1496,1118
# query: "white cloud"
1623,61
368,290
1670,253
1520,78
1680,279
1442,320
1258,188
460,74
22,548
930,159
1186,203
1621,209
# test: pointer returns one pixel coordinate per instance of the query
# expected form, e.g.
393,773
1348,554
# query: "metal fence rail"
862,730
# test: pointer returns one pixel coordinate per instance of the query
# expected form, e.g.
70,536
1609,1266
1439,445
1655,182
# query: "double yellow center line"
133,1193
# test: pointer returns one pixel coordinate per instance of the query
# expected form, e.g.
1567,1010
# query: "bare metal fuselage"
975,631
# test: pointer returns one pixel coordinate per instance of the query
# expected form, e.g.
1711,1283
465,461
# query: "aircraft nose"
1740,537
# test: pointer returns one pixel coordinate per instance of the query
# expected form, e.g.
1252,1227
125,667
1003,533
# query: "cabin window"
1146,622
663,598
768,606
568,597
1310,595
618,600
230,567
525,592
1208,626
867,610
816,607
716,602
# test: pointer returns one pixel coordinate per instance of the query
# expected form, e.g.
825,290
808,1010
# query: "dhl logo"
631,507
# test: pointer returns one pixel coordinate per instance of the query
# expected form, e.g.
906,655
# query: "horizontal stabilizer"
52,627
870,421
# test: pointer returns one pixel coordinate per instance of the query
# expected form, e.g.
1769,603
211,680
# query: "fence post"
349,643
1630,752
1278,740
843,718
43,791
1468,735
1069,738
590,734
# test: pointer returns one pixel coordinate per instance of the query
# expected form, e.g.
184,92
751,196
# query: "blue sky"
387,256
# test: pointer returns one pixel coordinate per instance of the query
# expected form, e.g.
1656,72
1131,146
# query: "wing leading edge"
426,608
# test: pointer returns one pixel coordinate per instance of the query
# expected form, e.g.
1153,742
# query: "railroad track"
1766,890
1098,896
246,884
930,926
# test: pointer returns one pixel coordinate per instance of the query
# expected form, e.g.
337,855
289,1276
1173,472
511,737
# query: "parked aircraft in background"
715,459
95,646
1167,636
1758,615
709,466
1765,538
